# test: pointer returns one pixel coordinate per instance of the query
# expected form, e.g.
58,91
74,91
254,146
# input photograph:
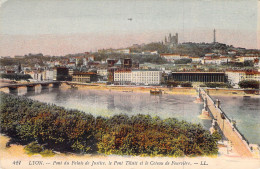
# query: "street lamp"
223,117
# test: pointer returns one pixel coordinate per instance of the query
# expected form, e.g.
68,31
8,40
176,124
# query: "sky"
60,27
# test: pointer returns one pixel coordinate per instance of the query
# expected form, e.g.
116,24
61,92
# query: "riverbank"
11,156
166,90
144,89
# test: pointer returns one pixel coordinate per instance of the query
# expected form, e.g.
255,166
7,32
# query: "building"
123,77
61,73
211,61
84,77
246,58
171,40
48,75
102,72
127,63
199,76
146,77
235,76
111,62
195,59
124,51
36,75
225,59
170,57
138,77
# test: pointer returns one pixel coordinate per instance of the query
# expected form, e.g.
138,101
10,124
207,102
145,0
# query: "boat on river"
73,87
156,92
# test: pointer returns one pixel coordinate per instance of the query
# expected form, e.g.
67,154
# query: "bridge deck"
29,84
228,130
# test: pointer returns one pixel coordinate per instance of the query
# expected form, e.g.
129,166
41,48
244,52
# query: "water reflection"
107,103
246,112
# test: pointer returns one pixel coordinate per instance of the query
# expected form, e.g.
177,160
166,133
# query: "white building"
211,61
139,77
123,77
146,77
170,57
225,59
125,51
48,75
102,72
235,76
195,59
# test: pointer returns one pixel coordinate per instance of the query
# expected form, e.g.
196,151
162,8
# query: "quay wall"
233,92
146,89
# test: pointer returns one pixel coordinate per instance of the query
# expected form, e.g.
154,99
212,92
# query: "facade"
246,58
199,76
123,77
48,75
60,73
127,63
170,57
211,61
138,77
195,59
235,76
84,77
147,77
125,51
102,72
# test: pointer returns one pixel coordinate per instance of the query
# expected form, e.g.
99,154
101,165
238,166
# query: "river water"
246,111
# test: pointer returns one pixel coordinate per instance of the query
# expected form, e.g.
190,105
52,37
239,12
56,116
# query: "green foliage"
249,84
73,131
216,84
186,84
140,58
33,148
216,135
47,153
177,83
249,63
156,47
183,61
15,76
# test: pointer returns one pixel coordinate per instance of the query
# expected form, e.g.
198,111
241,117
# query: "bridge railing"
228,120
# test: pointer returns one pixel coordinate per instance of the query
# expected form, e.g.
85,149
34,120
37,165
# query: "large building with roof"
235,76
138,77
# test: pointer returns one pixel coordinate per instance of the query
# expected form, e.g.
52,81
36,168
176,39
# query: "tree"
249,84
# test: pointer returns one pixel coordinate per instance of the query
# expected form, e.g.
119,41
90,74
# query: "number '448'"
17,163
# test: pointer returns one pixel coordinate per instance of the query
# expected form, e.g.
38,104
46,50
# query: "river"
245,110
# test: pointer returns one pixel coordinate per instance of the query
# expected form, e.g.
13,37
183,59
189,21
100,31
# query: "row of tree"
253,84
216,84
15,76
177,83
60,129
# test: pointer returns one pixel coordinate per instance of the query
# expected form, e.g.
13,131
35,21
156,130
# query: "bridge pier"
30,88
13,90
226,126
205,113
214,126
45,86
56,85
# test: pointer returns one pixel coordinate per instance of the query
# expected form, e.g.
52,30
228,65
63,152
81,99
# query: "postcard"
87,84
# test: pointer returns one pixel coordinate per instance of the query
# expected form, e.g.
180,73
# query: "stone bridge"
227,126
31,86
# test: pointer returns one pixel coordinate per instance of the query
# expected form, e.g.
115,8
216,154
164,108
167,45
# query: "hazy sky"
59,27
